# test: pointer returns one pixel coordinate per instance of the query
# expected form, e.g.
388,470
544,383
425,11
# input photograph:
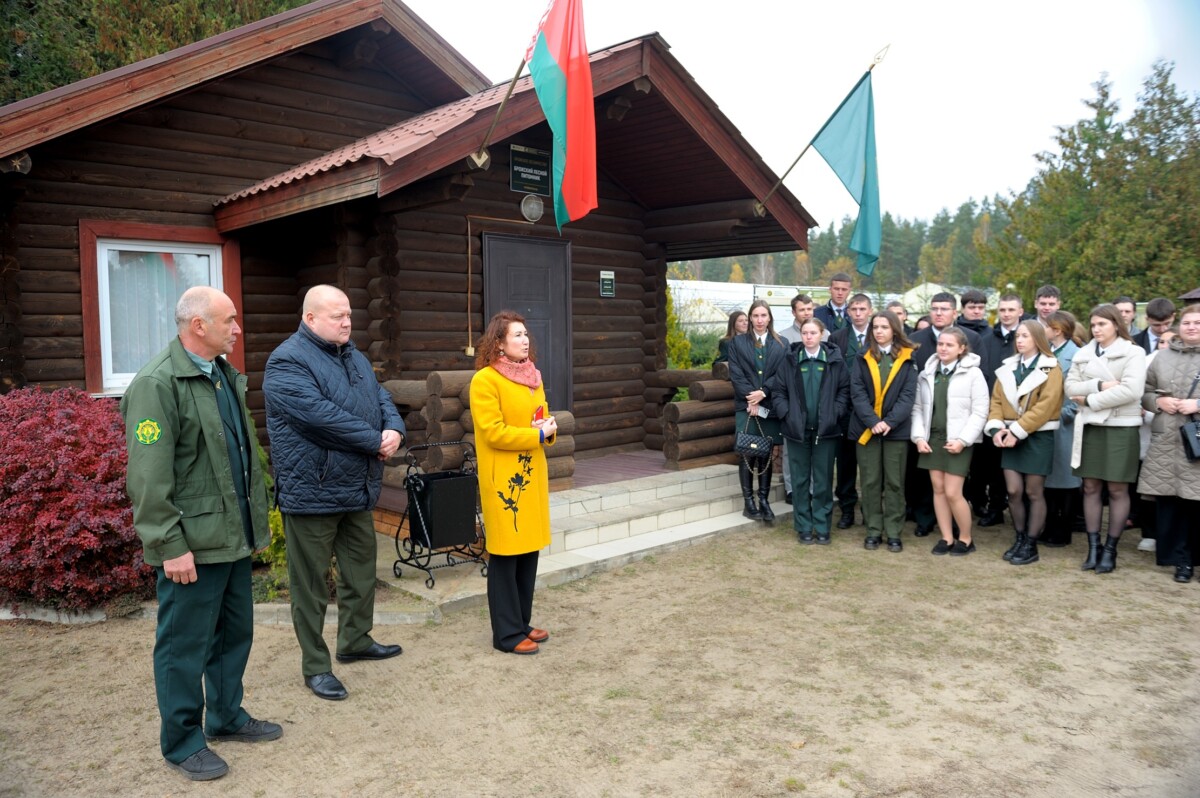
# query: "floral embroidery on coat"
516,485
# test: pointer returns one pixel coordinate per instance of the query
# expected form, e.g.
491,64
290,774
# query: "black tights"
1118,505
1021,487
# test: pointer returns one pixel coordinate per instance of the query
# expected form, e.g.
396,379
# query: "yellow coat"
514,489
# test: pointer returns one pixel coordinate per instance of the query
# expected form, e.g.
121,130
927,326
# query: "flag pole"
480,158
760,207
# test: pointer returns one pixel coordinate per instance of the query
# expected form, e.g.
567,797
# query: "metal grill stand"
443,514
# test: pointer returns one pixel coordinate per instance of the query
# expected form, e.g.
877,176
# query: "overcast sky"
967,95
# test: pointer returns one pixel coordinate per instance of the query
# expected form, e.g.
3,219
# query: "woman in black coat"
883,389
812,394
754,359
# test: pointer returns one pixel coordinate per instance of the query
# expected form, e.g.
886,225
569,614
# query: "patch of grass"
794,785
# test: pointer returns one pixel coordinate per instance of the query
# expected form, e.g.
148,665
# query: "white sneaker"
1147,544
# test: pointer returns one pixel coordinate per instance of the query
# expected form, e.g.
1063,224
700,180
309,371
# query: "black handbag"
1190,431
754,447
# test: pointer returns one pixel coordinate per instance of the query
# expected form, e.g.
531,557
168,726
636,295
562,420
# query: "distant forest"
946,250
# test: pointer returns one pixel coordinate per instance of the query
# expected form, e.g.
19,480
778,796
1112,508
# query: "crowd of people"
954,421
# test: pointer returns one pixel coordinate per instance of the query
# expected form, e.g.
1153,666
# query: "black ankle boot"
764,493
1093,551
1108,555
1027,553
747,480
1015,547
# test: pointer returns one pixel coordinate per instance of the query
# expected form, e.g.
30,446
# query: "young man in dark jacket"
331,427
200,514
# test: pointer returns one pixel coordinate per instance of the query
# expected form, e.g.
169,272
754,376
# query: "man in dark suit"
852,341
833,313
987,491
918,489
1160,317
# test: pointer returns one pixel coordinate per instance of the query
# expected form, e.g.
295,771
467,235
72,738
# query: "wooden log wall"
12,358
427,288
698,431
167,164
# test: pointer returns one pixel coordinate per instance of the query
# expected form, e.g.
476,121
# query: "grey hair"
196,301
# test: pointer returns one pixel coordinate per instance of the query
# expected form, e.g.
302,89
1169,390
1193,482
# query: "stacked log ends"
701,428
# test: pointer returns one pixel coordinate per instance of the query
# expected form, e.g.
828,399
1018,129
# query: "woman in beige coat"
1106,381
1172,388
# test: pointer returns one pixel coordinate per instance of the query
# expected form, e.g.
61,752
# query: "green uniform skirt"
1034,455
1109,453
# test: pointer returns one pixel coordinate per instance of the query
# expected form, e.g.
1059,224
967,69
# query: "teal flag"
847,143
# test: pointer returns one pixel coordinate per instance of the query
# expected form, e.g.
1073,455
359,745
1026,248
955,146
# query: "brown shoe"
526,646
539,635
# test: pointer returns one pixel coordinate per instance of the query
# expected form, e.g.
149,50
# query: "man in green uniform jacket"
200,508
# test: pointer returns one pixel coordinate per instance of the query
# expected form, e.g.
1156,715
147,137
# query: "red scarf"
523,373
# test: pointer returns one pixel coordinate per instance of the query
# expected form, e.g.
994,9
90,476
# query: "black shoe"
1027,552
847,520
1093,555
807,538
787,497
1183,573
992,518
327,686
374,651
894,544
1016,546
870,544
204,765
823,539
922,531
960,549
1108,556
252,731
941,547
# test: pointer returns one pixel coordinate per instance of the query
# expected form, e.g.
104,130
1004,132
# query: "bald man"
331,427
200,508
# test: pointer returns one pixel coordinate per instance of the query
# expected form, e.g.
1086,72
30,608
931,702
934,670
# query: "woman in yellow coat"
508,407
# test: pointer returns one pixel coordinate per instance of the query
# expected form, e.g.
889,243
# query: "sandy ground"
745,666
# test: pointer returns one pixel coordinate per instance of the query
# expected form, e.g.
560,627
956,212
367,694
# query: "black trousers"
918,491
1178,533
985,487
846,493
510,583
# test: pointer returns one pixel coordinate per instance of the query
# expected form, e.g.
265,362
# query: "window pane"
143,288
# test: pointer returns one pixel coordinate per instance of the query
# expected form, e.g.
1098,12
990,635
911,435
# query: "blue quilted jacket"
326,414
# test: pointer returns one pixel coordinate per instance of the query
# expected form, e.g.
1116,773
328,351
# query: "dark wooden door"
533,277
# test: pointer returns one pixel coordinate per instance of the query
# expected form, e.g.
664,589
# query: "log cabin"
340,143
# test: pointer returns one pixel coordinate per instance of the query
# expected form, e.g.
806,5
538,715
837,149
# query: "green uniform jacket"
179,475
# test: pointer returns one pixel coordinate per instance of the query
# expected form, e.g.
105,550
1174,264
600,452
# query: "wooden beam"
348,182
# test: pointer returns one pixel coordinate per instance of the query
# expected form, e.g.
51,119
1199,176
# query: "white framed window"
131,276
138,284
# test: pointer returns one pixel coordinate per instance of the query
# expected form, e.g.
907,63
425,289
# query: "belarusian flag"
562,78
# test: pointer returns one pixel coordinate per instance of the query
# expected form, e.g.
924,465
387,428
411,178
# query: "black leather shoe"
894,544
823,539
252,731
374,651
847,520
870,544
806,538
1183,573
204,765
922,531
787,497
327,686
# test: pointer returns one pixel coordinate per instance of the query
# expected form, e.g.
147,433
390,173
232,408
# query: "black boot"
764,493
1027,553
1093,552
1108,555
747,480
1016,546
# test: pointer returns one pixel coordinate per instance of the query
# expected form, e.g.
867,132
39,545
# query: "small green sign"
608,284
529,170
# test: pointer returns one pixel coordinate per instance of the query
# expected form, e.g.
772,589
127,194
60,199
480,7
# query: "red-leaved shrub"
66,524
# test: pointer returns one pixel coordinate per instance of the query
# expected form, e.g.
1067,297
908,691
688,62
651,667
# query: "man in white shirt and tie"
852,341
833,313
1160,317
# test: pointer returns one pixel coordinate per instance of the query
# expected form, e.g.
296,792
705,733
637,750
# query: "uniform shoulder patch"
147,431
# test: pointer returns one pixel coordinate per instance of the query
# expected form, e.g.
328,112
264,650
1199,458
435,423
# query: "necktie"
860,340
1099,352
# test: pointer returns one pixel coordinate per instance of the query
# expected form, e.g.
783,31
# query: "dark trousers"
812,470
311,541
510,583
918,491
985,488
846,492
1178,540
201,647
